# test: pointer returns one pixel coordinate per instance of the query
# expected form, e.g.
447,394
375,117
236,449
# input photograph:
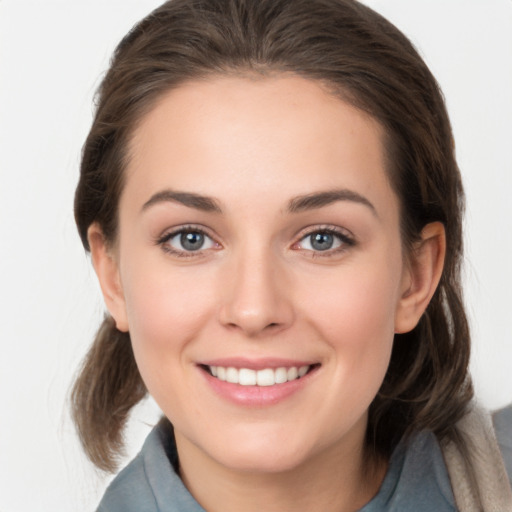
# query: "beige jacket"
485,488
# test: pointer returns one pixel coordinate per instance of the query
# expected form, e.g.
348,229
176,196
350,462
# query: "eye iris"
192,241
321,241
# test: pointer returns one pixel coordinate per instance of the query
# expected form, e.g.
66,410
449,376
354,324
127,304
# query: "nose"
257,296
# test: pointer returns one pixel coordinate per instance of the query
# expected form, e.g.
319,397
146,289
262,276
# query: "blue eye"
192,241
187,241
321,241
324,240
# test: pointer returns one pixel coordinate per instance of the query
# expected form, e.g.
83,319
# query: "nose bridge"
256,297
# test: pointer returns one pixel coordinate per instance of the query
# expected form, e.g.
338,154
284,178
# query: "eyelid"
170,233
344,235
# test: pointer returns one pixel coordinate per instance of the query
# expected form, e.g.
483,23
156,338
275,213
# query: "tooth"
221,373
232,375
247,377
303,370
292,373
281,375
265,377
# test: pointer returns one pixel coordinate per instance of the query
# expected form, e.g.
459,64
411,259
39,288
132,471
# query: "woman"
273,208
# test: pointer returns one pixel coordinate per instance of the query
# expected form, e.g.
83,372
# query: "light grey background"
52,56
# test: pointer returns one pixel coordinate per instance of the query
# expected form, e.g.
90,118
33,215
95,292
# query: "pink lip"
255,364
255,396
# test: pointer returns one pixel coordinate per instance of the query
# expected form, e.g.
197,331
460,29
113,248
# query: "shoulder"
476,465
149,483
416,479
503,426
131,489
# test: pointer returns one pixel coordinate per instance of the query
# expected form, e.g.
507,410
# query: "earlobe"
421,276
107,269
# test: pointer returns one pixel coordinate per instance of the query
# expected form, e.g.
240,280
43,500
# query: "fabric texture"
480,483
417,478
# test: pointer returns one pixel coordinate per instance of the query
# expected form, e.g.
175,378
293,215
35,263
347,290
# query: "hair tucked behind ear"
108,386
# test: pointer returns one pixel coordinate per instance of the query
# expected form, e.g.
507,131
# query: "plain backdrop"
52,57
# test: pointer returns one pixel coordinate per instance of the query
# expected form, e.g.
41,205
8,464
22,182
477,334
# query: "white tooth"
221,373
265,377
293,373
232,375
281,375
303,370
247,377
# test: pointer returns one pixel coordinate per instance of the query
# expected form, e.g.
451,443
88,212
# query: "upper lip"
256,364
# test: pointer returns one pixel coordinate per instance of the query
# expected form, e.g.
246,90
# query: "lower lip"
256,396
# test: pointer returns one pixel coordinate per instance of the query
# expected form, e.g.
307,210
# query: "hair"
367,62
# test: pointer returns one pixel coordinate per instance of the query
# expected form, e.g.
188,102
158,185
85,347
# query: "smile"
263,377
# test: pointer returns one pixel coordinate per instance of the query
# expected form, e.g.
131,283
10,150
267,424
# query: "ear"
107,269
421,276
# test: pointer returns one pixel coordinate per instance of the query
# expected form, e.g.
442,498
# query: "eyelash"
163,241
346,241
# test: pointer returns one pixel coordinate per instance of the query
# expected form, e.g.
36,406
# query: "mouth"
263,377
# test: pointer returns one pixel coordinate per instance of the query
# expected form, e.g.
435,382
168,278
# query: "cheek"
166,311
358,305
166,308
355,316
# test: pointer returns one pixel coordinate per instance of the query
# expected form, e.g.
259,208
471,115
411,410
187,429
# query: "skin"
259,289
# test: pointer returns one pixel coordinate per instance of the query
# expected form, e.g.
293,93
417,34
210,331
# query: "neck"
338,480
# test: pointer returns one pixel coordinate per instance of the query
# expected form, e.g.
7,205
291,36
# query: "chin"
260,448
265,460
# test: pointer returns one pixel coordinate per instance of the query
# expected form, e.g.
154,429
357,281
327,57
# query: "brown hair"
361,57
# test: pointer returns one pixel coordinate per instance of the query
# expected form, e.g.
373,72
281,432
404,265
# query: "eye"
324,240
187,240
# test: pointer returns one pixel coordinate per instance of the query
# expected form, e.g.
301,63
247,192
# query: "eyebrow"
297,204
321,199
197,201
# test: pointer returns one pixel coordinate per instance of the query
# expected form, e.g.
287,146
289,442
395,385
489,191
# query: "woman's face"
259,242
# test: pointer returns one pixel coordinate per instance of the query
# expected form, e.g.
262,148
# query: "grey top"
417,478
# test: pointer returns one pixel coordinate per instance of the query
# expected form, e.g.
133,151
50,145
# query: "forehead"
255,135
